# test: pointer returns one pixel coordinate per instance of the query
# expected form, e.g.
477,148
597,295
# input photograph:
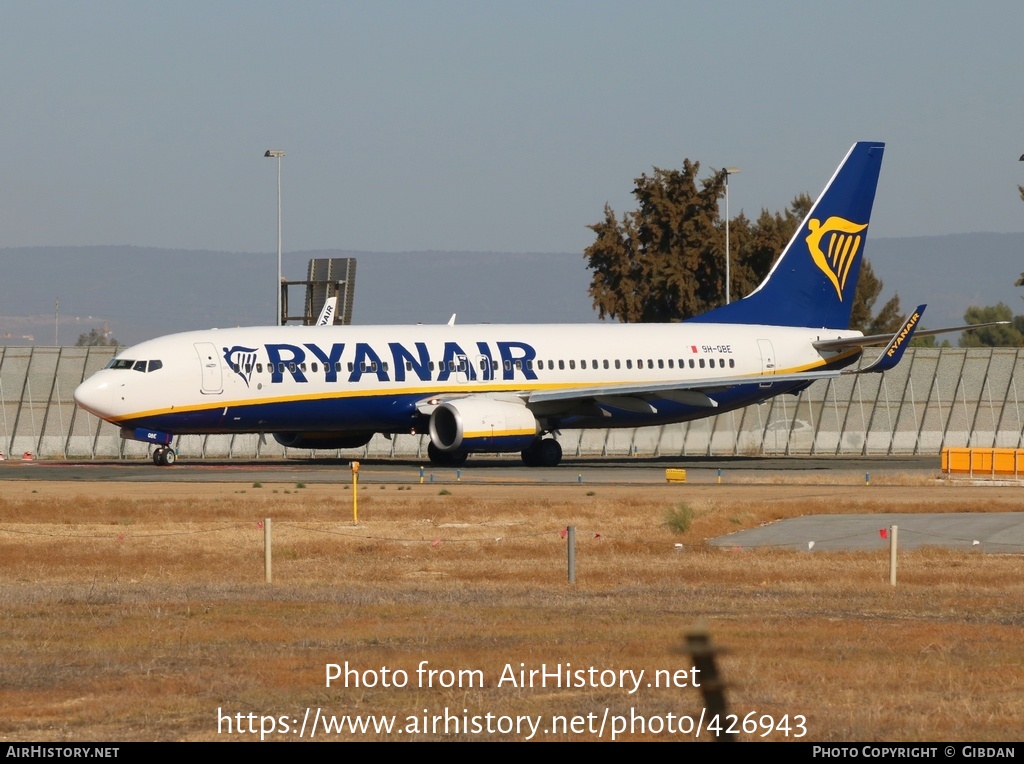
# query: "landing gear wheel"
531,454
164,456
542,453
550,453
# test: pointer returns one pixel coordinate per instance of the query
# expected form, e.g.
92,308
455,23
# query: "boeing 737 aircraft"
503,388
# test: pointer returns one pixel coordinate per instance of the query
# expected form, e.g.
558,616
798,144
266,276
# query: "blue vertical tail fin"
814,280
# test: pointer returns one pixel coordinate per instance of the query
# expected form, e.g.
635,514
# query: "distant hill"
952,272
144,292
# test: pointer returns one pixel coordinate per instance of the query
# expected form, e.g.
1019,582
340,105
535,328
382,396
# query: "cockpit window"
127,363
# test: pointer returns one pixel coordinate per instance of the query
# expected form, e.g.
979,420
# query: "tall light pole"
728,171
277,154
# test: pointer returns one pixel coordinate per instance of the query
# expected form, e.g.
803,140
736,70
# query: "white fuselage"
371,378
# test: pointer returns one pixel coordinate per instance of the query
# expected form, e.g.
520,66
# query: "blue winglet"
897,345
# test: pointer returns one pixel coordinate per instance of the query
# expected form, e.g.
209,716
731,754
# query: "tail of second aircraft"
814,280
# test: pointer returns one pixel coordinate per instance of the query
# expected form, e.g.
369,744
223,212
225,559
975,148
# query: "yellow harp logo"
843,242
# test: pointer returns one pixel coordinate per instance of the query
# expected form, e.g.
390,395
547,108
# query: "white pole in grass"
267,573
892,554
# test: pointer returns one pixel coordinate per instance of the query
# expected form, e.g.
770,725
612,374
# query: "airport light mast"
728,171
277,154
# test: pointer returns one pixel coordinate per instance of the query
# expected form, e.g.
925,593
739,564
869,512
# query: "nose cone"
96,396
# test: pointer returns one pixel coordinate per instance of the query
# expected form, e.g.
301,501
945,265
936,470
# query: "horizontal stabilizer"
872,340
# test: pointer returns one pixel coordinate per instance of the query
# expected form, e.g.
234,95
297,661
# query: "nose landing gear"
164,456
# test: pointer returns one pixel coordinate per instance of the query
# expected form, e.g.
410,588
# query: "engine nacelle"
482,424
324,440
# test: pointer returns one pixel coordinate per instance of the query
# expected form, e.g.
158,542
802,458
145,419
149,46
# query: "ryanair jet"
504,388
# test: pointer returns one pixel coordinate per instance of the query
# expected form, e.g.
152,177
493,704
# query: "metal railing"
935,398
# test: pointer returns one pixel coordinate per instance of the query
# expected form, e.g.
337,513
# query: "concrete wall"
934,398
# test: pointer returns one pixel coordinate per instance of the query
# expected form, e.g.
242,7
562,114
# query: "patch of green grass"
257,484
678,518
444,492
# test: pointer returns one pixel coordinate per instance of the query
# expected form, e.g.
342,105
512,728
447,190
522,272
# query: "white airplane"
503,388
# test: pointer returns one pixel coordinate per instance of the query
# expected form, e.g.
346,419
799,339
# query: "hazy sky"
489,125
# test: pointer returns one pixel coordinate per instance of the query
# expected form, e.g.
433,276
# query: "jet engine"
482,424
324,440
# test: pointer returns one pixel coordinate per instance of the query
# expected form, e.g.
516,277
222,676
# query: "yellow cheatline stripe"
466,387
499,433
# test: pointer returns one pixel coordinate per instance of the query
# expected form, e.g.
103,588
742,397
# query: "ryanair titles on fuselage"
501,360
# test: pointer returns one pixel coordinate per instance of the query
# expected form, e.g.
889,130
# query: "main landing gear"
543,453
164,456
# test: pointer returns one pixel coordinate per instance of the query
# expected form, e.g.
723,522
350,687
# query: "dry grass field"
140,612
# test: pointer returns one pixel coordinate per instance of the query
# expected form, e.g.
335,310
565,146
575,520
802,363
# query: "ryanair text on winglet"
907,329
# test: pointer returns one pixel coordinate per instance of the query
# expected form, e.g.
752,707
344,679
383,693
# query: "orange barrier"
983,462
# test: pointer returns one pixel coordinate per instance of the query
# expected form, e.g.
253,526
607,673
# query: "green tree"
1005,335
888,318
664,261
928,342
97,336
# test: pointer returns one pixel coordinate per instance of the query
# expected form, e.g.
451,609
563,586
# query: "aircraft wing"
697,392
694,392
